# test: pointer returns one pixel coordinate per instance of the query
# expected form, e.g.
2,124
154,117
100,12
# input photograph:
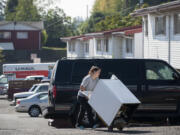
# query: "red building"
20,35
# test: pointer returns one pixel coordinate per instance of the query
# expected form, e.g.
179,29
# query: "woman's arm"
82,88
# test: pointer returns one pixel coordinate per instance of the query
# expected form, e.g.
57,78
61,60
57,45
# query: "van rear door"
62,85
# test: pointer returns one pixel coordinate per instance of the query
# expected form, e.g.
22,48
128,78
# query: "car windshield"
33,88
3,79
41,88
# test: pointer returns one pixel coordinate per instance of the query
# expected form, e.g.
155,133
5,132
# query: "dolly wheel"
120,128
110,129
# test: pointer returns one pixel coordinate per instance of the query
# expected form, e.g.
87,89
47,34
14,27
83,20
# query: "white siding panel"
155,46
138,46
175,54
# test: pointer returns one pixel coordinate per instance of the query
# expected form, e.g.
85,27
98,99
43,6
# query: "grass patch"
52,48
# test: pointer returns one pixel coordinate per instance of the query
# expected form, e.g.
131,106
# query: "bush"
44,37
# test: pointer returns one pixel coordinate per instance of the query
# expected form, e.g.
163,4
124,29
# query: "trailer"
21,71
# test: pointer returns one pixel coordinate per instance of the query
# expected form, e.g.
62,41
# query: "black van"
154,82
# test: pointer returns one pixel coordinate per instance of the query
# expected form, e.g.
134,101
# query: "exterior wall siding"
32,43
138,45
158,46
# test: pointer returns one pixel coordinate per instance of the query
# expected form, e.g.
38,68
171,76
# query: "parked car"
42,87
155,83
3,85
33,104
35,77
45,80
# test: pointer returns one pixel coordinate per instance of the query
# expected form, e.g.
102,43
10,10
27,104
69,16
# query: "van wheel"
120,128
34,111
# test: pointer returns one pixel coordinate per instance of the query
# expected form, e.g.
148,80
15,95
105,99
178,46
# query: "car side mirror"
175,76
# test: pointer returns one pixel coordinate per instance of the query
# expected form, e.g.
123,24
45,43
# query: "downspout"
143,35
169,40
40,40
113,49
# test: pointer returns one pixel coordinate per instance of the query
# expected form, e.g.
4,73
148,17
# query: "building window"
98,48
73,47
146,26
69,47
106,45
160,25
129,46
22,35
87,47
5,35
177,24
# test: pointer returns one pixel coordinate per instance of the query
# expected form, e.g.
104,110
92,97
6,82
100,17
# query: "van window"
80,70
127,71
158,71
63,72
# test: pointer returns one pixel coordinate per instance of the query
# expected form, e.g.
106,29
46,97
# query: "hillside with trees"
111,14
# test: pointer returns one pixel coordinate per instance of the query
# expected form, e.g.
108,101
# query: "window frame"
20,37
98,45
3,35
106,45
157,25
146,26
127,44
176,21
69,47
86,47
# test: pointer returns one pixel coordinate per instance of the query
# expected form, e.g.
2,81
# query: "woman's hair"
93,69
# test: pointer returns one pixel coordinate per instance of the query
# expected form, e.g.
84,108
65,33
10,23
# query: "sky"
75,8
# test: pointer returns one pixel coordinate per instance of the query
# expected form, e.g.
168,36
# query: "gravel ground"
13,123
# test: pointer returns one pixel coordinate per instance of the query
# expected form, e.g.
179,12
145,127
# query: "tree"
10,9
27,11
1,56
89,25
44,37
57,25
2,6
115,14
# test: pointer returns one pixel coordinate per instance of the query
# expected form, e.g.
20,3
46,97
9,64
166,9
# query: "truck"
21,71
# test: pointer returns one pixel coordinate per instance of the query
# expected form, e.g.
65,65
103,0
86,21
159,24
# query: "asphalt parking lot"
13,123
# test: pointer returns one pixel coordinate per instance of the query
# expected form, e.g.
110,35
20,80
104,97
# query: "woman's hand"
82,88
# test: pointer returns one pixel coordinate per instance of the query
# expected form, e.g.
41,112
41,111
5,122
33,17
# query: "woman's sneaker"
80,127
95,126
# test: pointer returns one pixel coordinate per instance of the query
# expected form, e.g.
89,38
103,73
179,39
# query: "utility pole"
140,3
87,11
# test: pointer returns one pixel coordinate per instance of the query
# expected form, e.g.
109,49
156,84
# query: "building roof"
125,31
65,39
167,7
37,25
115,30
